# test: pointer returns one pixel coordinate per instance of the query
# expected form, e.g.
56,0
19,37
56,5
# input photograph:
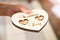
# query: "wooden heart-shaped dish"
33,21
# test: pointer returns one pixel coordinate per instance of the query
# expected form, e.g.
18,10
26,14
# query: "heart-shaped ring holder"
33,21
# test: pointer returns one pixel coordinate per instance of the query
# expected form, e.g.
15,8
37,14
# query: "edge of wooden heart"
29,29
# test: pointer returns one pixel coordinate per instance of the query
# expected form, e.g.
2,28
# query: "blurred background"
50,32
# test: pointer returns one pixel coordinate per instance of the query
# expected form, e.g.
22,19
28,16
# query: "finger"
21,7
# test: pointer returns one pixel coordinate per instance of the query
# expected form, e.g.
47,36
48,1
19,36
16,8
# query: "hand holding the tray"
7,9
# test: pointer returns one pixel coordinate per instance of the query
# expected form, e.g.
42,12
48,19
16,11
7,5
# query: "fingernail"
28,11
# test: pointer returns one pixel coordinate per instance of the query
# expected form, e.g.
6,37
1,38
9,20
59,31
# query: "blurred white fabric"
56,10
56,7
2,28
55,1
